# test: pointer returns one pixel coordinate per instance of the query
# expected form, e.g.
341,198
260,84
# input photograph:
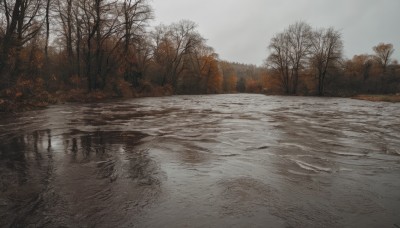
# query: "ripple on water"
202,161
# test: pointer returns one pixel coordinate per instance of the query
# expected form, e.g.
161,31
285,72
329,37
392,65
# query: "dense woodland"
82,50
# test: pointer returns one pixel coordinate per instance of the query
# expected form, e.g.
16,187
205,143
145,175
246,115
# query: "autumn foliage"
309,61
88,50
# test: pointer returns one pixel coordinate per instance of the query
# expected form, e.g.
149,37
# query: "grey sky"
240,30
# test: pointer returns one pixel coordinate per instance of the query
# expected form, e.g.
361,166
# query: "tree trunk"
69,35
97,75
46,48
8,41
78,48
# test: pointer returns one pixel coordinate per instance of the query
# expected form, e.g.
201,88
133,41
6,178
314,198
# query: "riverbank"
80,96
376,98
19,102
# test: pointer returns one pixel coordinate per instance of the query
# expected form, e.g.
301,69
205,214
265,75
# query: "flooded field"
202,161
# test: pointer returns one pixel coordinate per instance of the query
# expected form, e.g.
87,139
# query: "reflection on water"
75,179
202,161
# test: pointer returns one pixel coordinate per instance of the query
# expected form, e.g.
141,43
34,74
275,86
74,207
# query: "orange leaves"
383,54
214,84
231,82
253,86
210,74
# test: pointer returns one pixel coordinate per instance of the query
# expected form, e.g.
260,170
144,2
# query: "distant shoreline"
375,98
7,106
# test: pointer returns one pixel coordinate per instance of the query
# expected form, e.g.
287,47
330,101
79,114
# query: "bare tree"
135,55
279,59
201,65
326,51
99,20
22,24
136,14
362,65
47,18
65,14
383,54
185,38
163,51
29,23
289,53
78,38
299,36
143,55
171,44
12,13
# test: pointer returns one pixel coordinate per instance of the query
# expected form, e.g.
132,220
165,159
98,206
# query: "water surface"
202,161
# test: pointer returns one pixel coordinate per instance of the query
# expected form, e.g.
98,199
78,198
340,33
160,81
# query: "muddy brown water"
202,161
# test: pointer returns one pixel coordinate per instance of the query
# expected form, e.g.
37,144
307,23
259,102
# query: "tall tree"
327,47
171,44
299,36
279,60
383,54
362,65
204,70
22,25
229,77
12,14
47,18
100,24
289,53
135,15
66,17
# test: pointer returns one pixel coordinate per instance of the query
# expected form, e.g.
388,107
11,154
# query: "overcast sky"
240,30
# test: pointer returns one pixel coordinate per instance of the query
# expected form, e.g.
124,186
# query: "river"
202,161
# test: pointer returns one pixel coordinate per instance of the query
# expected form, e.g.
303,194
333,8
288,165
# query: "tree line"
100,45
77,47
311,60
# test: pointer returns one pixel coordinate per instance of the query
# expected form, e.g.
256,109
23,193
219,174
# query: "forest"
55,51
